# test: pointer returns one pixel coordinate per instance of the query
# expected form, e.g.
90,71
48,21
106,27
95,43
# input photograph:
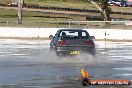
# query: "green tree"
106,10
103,7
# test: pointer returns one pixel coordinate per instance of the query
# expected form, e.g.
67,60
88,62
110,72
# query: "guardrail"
70,24
33,6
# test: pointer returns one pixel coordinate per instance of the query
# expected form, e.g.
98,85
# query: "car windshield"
74,34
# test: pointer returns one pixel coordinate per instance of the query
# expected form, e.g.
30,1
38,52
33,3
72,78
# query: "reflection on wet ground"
28,64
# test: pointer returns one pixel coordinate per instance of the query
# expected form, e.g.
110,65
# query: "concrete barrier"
113,34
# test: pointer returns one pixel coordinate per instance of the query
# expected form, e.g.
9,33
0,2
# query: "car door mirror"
51,37
92,37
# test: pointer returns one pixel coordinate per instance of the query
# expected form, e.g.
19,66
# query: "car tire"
51,49
58,53
92,51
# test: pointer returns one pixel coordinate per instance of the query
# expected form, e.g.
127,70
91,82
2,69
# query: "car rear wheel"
59,53
92,51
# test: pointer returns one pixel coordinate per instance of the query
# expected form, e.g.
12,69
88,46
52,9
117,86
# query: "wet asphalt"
29,64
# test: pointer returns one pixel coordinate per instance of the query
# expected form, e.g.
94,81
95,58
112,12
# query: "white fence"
12,32
73,24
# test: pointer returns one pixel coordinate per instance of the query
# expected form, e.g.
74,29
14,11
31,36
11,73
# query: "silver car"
72,42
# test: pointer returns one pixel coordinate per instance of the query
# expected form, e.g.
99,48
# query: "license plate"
74,52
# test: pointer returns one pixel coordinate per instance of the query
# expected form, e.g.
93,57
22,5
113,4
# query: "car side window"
85,34
57,33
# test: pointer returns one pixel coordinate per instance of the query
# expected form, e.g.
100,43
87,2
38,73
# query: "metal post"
69,24
20,6
38,40
7,23
105,40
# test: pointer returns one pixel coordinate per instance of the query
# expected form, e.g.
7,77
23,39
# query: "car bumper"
73,50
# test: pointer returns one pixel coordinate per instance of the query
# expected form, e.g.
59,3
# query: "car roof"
72,29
